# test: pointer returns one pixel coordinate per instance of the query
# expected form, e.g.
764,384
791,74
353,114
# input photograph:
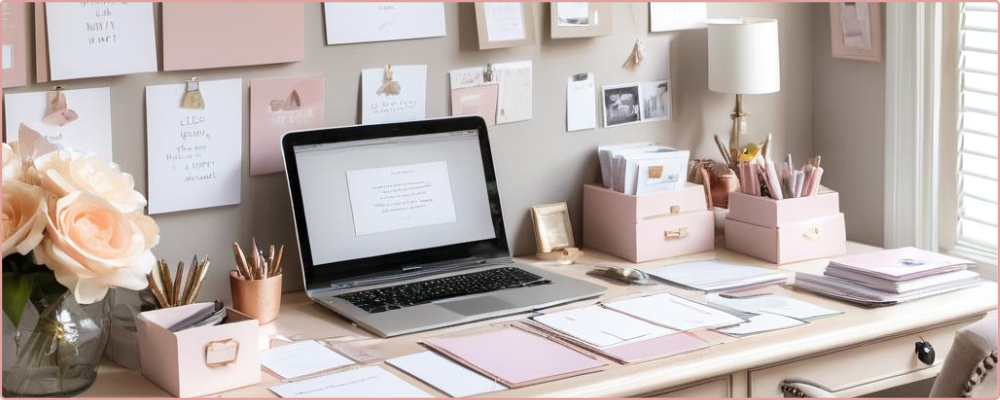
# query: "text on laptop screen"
384,196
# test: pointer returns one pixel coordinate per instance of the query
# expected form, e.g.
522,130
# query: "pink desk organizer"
786,231
198,361
648,227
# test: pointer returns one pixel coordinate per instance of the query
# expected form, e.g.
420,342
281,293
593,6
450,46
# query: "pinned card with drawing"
78,119
394,93
278,106
87,40
515,97
194,155
474,92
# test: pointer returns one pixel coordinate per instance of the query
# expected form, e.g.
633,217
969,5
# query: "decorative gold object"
192,99
220,353
680,233
389,86
553,230
175,292
259,299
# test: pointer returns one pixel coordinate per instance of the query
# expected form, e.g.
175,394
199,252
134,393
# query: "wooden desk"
859,352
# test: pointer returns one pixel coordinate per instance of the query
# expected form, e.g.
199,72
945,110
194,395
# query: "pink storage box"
786,231
198,361
643,228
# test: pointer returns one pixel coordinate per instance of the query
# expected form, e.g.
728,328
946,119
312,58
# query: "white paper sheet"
400,197
760,324
368,382
445,375
100,39
91,132
714,275
377,22
8,55
572,14
674,312
600,326
581,103
773,304
194,156
504,21
515,81
301,359
665,16
409,105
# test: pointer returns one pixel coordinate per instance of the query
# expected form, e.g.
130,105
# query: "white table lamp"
742,59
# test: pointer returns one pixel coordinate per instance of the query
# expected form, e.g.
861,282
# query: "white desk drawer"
863,369
718,388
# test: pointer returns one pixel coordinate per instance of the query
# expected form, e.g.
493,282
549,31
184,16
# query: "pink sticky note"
476,100
278,106
216,35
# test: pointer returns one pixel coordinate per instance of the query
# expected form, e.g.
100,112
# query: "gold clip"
812,234
192,99
655,171
389,86
488,73
674,210
57,112
678,234
221,352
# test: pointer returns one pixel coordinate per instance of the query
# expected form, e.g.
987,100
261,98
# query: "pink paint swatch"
278,106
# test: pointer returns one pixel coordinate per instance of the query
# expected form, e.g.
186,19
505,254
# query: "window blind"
977,225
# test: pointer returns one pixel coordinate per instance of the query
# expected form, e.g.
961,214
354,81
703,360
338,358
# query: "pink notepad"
900,264
515,357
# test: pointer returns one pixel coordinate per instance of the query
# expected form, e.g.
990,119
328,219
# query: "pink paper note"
659,347
516,357
477,100
216,35
15,66
278,106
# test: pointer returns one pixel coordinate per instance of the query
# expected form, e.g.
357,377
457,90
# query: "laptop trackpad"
476,306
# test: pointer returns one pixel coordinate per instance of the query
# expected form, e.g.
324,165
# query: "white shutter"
977,170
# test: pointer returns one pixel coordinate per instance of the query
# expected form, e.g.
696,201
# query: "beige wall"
537,161
848,131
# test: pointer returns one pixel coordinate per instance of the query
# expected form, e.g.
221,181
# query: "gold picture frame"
553,229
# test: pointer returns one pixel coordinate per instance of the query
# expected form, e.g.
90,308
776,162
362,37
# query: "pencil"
177,284
277,262
192,275
156,290
256,258
241,261
167,282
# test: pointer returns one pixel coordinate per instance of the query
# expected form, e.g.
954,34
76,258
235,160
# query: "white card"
515,99
301,359
600,326
382,106
581,103
504,21
194,156
401,197
445,375
8,61
773,304
666,16
760,324
376,22
674,312
89,40
90,132
368,382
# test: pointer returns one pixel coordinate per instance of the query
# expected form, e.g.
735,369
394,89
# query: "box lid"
635,209
770,213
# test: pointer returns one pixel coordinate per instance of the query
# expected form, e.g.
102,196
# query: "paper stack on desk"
644,167
716,276
890,277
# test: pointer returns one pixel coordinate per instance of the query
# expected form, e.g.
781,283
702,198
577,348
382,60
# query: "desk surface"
301,319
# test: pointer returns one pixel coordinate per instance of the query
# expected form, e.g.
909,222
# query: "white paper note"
375,22
401,197
581,103
773,304
515,102
382,104
194,156
301,359
445,375
668,16
714,275
600,326
90,132
572,14
368,382
7,57
504,21
100,39
760,324
674,312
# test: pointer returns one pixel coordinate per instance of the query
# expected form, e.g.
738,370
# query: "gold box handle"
680,233
812,234
220,353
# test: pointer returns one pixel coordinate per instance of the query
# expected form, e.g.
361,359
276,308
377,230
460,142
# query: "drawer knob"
678,234
812,234
674,210
925,352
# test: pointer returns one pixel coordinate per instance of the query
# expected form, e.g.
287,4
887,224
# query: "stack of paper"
715,276
674,312
889,277
301,359
640,168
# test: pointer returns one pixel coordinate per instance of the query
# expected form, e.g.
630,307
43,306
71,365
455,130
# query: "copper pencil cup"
259,299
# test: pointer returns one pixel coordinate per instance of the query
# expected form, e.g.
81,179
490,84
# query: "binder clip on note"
389,87
488,73
192,99
57,113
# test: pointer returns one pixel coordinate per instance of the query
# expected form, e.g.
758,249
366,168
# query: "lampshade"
743,56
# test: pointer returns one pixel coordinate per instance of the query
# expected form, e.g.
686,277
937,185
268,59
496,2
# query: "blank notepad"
515,357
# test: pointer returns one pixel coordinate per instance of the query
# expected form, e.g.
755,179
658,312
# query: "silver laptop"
400,227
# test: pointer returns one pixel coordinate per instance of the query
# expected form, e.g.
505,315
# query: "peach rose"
11,163
92,246
63,172
23,217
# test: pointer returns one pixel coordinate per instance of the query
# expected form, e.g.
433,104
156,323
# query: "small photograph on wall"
856,31
621,104
655,101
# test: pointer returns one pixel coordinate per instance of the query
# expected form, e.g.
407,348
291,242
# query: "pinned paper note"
194,156
377,22
393,97
88,40
581,103
504,21
515,97
669,16
278,106
15,42
85,126
573,14
472,94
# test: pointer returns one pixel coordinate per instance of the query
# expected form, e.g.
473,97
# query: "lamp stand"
739,128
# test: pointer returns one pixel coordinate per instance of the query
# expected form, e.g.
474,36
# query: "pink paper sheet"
15,26
659,347
274,111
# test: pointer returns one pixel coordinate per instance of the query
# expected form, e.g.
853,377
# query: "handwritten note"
89,132
581,103
504,21
194,156
398,96
401,197
100,39
515,103
376,22
278,106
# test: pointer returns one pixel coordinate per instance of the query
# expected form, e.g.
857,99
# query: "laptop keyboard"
413,294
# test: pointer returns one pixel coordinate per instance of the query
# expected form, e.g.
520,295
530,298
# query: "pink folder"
515,357
901,264
655,348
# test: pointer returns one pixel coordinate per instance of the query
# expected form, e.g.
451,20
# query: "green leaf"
66,358
16,292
